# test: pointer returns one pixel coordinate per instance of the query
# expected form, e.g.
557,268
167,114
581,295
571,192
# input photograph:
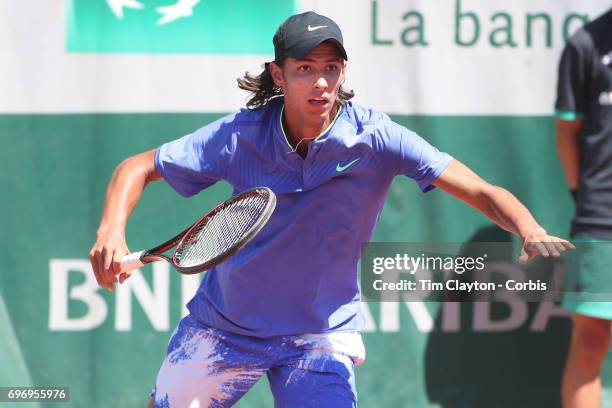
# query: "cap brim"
306,48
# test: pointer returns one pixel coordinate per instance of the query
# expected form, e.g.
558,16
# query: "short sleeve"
198,160
572,87
408,154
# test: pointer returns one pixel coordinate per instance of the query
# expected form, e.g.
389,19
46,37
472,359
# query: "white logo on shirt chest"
605,98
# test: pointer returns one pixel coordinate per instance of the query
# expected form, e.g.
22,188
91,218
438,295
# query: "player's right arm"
189,164
124,190
568,147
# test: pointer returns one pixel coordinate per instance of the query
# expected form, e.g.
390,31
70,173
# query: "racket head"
223,231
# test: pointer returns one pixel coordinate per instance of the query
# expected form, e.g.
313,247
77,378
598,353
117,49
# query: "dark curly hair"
263,88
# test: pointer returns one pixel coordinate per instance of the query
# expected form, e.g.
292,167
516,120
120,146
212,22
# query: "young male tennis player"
288,304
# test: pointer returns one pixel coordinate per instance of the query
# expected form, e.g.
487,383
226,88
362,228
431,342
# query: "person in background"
584,142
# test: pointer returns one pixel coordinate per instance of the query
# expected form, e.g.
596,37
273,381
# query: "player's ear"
276,73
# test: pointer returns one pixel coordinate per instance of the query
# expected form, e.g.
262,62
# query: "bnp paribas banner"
86,83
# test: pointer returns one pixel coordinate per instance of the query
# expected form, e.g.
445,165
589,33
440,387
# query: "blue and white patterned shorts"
208,367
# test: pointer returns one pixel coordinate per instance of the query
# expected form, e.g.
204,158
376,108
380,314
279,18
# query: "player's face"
311,85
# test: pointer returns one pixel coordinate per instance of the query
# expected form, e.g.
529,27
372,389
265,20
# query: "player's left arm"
501,207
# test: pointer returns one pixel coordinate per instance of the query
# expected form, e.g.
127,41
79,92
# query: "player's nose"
321,82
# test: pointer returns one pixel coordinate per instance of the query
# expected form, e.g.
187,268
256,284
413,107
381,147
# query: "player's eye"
333,67
304,68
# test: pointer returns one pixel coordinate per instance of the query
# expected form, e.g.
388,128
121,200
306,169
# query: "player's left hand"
538,242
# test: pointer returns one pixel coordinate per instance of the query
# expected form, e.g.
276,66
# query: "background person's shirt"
299,274
585,92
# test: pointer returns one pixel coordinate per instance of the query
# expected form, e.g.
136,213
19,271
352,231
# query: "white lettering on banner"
518,308
451,317
389,317
422,319
517,316
547,310
86,292
154,301
548,307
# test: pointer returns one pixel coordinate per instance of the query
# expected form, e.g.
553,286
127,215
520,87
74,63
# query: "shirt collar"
280,121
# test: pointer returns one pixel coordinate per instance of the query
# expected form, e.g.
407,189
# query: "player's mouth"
319,102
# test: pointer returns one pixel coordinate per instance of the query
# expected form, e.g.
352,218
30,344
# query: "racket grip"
131,261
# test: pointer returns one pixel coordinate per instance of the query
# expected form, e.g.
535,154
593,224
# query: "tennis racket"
213,238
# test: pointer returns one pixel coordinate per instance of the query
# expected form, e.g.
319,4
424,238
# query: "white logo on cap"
314,28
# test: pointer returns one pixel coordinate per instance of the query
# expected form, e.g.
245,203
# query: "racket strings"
227,227
225,231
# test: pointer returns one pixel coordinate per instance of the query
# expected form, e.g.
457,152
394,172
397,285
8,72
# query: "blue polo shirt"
299,274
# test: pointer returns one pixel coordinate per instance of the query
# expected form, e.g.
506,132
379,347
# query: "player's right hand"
105,257
538,242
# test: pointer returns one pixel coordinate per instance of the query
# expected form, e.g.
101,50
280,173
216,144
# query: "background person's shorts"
588,278
208,367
